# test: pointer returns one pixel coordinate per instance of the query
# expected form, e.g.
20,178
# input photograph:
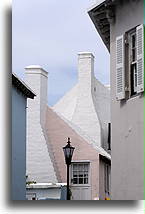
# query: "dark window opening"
133,63
109,136
107,178
133,79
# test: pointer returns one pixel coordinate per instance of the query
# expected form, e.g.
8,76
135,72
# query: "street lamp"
68,153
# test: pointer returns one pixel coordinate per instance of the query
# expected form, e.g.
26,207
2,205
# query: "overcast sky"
50,33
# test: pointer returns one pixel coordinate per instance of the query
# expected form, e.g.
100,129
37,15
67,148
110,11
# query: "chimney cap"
85,54
33,66
36,68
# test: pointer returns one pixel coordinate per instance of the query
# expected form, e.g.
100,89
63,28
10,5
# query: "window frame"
132,62
71,177
128,56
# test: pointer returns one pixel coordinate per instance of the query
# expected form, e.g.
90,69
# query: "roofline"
21,86
102,24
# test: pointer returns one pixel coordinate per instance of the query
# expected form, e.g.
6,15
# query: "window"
133,62
80,173
109,136
130,63
107,178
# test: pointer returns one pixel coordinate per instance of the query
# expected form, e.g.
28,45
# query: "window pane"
75,181
80,167
85,174
133,79
133,40
75,175
86,167
75,167
85,180
80,180
81,174
133,54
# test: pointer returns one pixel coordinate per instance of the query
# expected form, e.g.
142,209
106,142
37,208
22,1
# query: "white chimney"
39,165
85,115
37,78
85,72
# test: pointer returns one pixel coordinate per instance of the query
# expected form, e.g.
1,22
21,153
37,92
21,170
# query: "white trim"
120,72
80,161
140,58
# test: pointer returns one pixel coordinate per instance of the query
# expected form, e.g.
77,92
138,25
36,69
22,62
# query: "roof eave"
101,14
21,86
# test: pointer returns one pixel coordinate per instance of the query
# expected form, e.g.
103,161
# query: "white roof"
45,185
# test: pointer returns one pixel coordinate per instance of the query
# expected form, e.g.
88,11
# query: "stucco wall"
126,118
18,145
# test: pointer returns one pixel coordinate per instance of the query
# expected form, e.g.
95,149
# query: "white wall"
39,163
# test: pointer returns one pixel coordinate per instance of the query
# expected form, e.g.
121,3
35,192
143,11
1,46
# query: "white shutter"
140,58
120,80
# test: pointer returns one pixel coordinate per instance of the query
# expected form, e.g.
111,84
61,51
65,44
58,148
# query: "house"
120,24
46,191
81,115
20,93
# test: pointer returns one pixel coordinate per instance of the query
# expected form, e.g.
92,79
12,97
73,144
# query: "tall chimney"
37,78
39,165
85,115
85,72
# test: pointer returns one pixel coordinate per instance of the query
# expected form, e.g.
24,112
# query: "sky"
50,33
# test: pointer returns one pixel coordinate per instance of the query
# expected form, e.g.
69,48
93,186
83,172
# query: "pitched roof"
21,86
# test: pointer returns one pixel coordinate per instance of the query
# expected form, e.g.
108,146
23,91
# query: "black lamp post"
68,153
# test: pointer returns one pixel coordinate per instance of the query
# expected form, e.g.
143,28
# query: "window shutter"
140,58
120,84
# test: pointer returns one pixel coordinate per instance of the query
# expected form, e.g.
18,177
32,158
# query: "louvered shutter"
120,80
140,58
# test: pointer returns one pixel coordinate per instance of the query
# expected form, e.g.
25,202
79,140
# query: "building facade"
49,128
20,93
120,25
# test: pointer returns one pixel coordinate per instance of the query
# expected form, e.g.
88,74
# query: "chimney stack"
36,78
85,71
85,109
